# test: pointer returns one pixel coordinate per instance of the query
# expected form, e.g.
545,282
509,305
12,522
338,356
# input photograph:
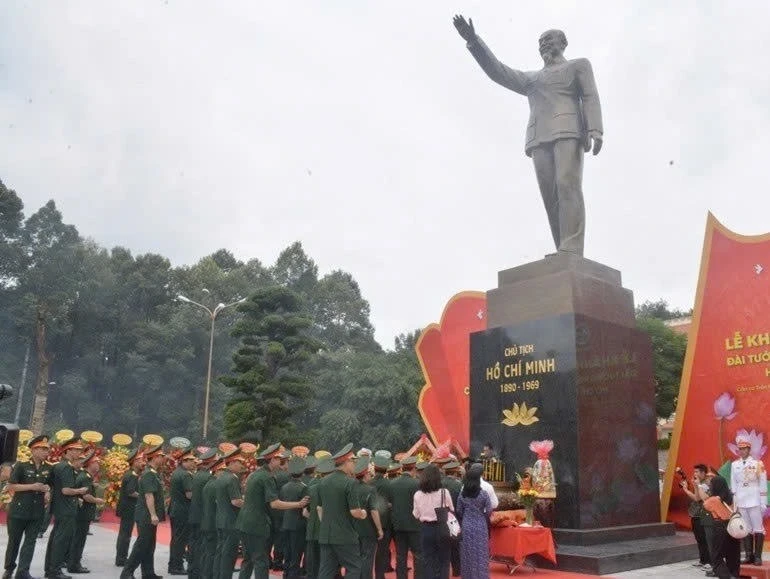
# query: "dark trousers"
726,558
335,556
279,545
700,538
180,536
408,541
124,539
382,558
256,556
435,552
227,546
194,552
18,529
143,552
209,543
368,547
295,548
312,559
454,558
59,542
78,544
45,521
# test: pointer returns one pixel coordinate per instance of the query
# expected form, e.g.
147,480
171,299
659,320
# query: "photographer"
697,495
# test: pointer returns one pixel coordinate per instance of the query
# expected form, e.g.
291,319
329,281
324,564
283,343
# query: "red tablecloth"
518,542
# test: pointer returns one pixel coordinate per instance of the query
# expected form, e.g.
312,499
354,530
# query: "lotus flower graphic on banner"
443,350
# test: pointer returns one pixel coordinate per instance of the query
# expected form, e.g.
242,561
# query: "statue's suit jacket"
563,100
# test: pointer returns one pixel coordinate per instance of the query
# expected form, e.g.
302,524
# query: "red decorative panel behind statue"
444,353
726,379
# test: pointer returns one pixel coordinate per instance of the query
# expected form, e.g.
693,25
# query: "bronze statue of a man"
565,120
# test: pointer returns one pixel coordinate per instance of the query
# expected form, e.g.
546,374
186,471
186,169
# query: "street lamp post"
213,315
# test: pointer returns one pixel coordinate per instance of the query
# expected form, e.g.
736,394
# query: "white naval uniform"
748,481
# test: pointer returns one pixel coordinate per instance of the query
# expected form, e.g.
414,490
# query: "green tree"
269,382
341,314
48,288
668,350
660,310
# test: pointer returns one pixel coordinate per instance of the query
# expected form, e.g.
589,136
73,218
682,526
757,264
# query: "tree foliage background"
111,349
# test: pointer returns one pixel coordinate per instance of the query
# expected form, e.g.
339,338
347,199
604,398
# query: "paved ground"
99,554
100,558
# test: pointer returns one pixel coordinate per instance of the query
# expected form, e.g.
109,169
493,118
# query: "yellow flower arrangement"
527,497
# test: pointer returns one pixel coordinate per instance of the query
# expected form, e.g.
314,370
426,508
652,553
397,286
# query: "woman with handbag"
726,554
432,503
474,508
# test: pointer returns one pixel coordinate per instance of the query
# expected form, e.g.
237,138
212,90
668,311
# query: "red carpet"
495,569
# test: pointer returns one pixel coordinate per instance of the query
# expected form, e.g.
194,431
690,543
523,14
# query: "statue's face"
552,44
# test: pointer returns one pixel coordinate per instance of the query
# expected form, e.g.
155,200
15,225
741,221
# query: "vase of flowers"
527,498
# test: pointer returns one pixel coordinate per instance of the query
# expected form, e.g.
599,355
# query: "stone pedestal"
562,360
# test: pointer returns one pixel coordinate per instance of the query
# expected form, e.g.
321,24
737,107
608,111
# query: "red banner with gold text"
725,389
444,353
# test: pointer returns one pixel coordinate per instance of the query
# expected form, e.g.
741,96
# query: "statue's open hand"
596,138
464,28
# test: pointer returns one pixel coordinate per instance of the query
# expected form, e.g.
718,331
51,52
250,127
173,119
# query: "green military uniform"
380,484
209,562
86,514
64,509
366,529
227,489
26,512
337,536
255,519
179,510
294,524
279,535
312,548
195,546
454,486
143,551
406,529
125,509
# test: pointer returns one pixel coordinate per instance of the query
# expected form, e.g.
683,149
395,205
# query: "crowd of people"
306,516
714,500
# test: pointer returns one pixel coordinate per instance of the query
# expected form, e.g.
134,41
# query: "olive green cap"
421,465
344,454
362,466
311,463
381,463
325,466
271,450
296,466
409,462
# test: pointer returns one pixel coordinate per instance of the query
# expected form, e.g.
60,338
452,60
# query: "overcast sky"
367,131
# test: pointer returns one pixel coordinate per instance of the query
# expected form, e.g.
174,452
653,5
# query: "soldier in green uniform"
209,560
255,519
64,507
308,476
312,548
338,507
406,529
294,524
380,483
180,493
454,485
279,535
229,499
369,529
150,510
200,478
126,507
86,511
30,483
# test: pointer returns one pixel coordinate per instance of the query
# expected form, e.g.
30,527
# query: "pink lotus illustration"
724,407
758,449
